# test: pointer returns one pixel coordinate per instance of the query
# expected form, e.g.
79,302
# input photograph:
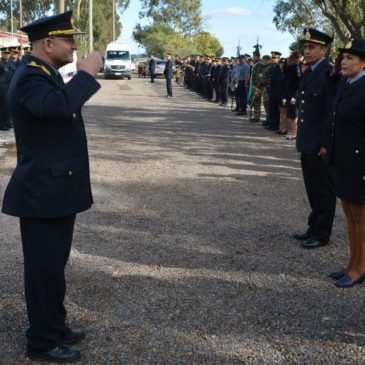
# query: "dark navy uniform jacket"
51,178
348,135
168,70
314,102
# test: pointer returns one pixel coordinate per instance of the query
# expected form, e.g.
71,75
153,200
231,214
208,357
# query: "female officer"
348,158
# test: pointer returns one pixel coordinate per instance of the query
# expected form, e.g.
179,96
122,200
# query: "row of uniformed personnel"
9,62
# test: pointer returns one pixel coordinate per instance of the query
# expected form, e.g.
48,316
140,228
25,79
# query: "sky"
233,22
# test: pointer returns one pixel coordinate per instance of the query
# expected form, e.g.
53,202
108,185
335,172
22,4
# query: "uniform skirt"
350,189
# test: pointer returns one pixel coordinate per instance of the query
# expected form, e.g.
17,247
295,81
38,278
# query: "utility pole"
11,17
91,39
60,6
113,1
20,22
20,13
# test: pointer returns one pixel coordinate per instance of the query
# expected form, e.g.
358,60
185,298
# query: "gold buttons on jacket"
302,92
70,173
357,151
302,101
302,120
74,116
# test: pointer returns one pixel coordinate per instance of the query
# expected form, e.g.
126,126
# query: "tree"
31,10
205,43
343,18
102,12
176,28
183,17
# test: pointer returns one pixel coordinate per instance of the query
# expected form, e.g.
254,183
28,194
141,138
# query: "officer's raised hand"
90,64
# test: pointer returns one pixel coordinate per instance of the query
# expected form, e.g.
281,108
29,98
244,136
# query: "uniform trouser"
256,104
320,191
46,248
169,86
242,96
153,77
4,108
223,91
274,112
265,97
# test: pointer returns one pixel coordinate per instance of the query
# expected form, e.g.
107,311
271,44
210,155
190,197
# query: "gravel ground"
187,256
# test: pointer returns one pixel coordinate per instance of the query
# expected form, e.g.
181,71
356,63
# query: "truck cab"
117,61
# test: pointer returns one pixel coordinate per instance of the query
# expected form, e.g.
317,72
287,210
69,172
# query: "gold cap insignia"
307,35
349,45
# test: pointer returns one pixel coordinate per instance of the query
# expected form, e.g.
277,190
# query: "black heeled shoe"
336,275
347,282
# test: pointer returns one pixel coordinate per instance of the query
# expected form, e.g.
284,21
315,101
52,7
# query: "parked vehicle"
160,67
118,61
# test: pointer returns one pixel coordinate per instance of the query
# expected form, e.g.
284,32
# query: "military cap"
56,25
356,47
14,49
282,60
266,57
27,50
315,36
5,49
275,54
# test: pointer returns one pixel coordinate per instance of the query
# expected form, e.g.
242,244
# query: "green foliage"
102,17
206,43
184,17
344,19
176,28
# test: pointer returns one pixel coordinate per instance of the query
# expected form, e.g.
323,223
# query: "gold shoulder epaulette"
43,68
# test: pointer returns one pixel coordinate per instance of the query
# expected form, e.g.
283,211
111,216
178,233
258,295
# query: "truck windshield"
117,55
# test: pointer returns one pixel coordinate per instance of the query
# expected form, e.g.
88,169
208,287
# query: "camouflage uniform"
257,86
266,82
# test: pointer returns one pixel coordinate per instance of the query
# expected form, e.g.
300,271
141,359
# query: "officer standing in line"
314,104
14,56
168,75
242,74
223,81
254,98
152,68
273,74
263,84
51,181
7,70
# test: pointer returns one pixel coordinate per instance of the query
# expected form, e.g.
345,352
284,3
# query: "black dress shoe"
336,275
235,110
254,120
313,243
347,282
4,128
301,236
57,354
73,336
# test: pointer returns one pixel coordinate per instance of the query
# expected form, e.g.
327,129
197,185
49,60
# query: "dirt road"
187,256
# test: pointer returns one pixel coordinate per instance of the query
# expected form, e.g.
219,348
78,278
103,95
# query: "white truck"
117,61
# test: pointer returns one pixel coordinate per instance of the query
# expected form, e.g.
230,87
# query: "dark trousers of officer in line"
242,97
274,112
4,108
46,247
322,199
153,75
169,86
223,91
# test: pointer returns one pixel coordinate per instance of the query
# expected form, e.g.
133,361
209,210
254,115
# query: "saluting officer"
314,104
51,181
